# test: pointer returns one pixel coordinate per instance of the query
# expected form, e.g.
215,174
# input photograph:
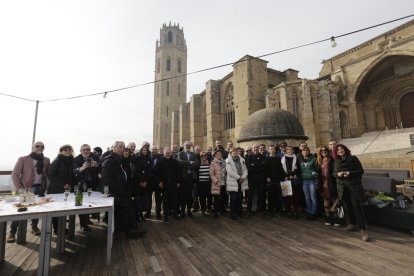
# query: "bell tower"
170,87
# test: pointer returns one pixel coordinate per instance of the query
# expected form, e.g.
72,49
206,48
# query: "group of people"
217,181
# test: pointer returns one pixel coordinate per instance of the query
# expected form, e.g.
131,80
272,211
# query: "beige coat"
23,174
215,175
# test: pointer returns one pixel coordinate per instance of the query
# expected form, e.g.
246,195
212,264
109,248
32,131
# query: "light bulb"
333,42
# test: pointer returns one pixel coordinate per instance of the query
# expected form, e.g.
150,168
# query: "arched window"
167,92
166,111
168,66
179,89
169,36
295,104
179,65
158,90
229,115
158,65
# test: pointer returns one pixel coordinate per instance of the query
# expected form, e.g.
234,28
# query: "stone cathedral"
367,88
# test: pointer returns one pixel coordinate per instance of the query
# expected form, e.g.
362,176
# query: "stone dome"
271,123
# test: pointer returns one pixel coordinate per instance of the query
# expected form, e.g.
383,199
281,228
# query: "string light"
332,39
333,42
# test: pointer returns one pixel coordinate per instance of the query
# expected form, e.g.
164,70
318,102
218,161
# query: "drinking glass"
75,189
13,190
106,190
22,195
66,197
89,192
85,188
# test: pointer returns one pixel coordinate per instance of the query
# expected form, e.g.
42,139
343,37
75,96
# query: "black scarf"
40,161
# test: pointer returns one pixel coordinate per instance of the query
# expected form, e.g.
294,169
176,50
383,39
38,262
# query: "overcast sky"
51,49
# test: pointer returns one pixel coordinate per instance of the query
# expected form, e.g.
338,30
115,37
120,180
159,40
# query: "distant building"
170,94
363,89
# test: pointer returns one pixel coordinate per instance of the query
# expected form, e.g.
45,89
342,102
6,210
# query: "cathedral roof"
271,123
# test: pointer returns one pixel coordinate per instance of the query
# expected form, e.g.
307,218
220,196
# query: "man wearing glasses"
29,172
87,176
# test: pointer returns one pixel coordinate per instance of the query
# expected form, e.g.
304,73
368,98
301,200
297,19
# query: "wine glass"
75,189
66,196
85,188
106,190
89,192
13,190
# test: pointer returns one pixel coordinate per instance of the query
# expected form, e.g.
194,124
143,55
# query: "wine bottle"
79,198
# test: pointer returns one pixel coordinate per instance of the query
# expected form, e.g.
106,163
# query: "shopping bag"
286,187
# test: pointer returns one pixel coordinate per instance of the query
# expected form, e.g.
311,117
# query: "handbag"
286,187
339,210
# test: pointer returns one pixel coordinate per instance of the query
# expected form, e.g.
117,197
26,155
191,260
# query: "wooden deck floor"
204,246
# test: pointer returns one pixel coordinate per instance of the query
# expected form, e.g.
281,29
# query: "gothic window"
158,65
168,88
158,90
179,65
169,36
295,104
179,89
166,111
229,116
165,131
168,67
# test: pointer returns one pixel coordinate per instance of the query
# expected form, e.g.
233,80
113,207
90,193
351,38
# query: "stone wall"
396,160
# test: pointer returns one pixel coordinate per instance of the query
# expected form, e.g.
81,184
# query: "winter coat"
353,181
115,178
61,173
274,169
308,168
168,172
215,175
233,176
189,166
143,167
331,180
256,165
89,175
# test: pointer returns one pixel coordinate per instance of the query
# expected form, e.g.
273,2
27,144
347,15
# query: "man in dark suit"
189,163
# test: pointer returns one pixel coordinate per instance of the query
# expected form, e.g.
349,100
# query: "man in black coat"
189,163
257,180
115,178
274,174
87,176
153,185
167,172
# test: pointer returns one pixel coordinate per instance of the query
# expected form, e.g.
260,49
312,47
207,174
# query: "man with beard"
219,146
168,179
189,164
30,172
87,171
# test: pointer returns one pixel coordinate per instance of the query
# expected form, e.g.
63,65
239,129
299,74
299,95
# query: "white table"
58,208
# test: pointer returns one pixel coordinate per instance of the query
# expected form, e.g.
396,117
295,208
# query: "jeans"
13,227
236,203
310,196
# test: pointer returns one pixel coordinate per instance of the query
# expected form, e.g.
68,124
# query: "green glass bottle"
79,198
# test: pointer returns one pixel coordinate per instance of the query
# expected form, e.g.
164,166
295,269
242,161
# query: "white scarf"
284,162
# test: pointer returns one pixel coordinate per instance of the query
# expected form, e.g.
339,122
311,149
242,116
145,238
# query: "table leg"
44,247
71,230
60,243
3,230
21,232
109,237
